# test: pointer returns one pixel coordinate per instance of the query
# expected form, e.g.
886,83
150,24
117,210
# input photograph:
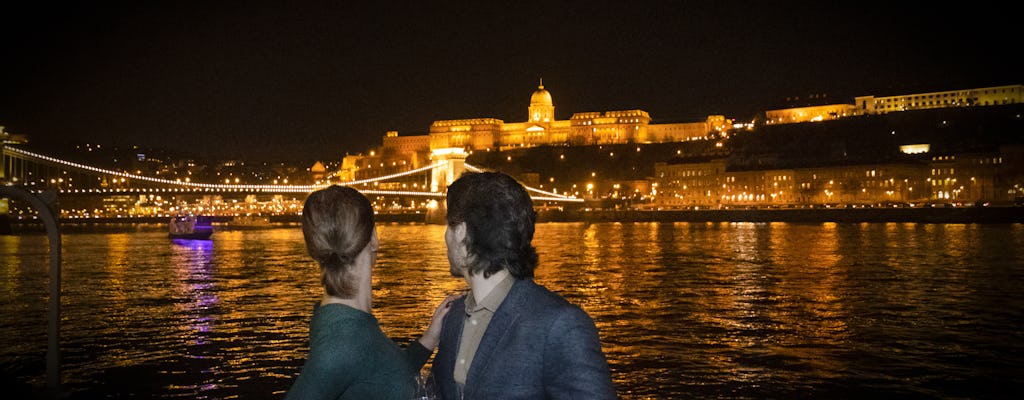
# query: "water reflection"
116,268
10,265
410,278
192,261
685,310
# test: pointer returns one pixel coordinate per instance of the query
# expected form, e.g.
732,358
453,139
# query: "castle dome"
541,97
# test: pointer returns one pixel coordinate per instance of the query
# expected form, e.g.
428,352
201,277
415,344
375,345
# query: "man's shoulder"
537,296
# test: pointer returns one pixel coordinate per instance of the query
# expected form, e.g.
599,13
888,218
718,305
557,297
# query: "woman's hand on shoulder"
431,338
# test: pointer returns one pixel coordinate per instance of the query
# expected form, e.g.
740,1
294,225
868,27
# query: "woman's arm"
432,336
419,351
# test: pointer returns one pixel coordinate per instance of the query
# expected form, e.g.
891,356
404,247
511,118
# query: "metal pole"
46,203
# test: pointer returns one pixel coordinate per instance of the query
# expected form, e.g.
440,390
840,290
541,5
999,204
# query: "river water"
685,310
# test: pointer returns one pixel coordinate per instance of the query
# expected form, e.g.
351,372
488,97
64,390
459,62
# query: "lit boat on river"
191,227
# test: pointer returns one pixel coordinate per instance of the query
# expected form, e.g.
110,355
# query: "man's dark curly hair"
499,219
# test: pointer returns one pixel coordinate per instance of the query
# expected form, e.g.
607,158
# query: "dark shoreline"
952,215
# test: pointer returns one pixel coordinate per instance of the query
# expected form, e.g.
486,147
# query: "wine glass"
425,388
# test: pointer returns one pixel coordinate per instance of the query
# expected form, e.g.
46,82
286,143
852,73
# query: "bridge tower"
5,176
7,138
3,161
444,175
454,163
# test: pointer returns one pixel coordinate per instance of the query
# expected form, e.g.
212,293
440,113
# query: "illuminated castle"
401,153
541,128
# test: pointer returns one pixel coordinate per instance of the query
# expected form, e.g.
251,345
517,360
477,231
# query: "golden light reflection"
117,253
678,305
411,277
198,315
808,259
11,265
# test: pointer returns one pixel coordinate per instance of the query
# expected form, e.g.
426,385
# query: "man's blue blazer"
537,346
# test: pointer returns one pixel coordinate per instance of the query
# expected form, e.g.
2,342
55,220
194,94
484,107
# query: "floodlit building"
710,184
989,96
870,105
583,128
809,114
539,129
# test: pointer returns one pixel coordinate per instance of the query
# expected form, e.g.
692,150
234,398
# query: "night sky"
293,80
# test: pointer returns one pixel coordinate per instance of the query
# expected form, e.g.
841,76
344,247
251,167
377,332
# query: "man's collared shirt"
478,316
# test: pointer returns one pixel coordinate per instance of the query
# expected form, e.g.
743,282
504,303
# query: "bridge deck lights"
446,160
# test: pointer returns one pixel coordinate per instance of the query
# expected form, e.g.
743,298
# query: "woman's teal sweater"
351,358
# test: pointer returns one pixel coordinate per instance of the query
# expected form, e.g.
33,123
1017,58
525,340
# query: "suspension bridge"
40,172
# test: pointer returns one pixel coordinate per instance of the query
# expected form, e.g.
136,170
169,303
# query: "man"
509,338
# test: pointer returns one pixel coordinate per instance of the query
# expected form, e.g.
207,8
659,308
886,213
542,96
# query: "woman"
349,355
